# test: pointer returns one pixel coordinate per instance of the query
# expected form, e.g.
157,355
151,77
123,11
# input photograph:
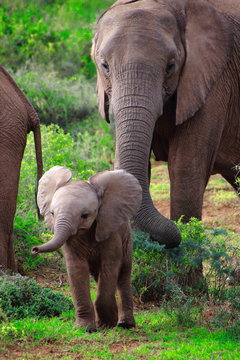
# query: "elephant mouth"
81,229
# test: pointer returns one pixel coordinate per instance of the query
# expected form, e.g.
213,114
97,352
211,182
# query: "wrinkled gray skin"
170,71
90,222
17,119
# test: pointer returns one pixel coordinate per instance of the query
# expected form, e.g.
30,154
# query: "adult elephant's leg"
189,171
9,179
229,171
232,180
192,154
7,257
187,186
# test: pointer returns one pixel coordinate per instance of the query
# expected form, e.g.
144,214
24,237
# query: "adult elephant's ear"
103,100
120,197
52,180
209,44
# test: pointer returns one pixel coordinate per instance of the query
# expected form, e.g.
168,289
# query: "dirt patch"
51,277
58,350
221,206
45,351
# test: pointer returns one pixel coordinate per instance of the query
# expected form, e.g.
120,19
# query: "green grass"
157,336
159,186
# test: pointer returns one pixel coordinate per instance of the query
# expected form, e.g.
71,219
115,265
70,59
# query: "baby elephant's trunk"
54,244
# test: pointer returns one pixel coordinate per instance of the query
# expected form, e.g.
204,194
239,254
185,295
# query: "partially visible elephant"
90,222
17,119
170,70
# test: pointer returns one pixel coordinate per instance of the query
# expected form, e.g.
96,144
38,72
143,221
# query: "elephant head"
69,207
149,53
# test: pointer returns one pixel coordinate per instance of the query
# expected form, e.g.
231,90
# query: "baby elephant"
90,222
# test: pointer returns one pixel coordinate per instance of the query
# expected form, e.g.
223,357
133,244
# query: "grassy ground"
157,336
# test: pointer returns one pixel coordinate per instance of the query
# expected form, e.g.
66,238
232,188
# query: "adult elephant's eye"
84,215
105,66
170,67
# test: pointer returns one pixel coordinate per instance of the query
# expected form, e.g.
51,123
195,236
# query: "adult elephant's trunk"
136,101
62,232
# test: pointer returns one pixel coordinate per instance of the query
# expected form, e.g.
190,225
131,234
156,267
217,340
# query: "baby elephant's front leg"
105,304
78,273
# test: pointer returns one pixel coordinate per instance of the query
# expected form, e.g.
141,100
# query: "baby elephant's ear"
53,179
120,197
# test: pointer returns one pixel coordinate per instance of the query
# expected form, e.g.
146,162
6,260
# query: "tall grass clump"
57,100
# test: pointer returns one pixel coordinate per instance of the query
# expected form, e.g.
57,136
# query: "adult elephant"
170,71
17,118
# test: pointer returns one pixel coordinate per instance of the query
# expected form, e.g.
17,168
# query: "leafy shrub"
26,234
57,100
21,297
160,273
49,31
3,317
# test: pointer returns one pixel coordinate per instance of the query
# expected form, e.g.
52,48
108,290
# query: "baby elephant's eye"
84,215
52,212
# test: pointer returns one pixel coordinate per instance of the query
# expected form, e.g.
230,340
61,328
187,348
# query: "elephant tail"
38,151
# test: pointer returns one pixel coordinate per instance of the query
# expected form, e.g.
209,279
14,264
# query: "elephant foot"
106,314
106,324
89,326
126,323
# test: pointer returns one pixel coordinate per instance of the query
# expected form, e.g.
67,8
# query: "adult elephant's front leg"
105,304
190,164
186,193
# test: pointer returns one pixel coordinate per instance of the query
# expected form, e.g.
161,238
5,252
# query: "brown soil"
221,207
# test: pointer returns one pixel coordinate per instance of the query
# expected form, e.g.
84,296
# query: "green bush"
160,273
57,100
27,232
49,31
21,297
